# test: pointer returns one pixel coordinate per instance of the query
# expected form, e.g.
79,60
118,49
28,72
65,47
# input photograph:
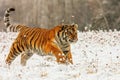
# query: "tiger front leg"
60,57
69,57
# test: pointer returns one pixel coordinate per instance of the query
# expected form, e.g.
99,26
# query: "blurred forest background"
88,14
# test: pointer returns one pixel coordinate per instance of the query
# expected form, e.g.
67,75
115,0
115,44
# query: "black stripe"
12,55
10,27
12,9
33,34
65,46
63,27
59,37
35,45
21,43
65,52
63,33
26,45
6,20
29,32
8,24
14,29
64,38
14,50
6,15
16,54
18,48
8,11
40,40
22,47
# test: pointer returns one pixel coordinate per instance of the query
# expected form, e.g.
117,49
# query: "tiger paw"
70,60
61,58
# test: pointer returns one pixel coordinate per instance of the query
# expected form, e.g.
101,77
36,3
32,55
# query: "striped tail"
11,27
6,17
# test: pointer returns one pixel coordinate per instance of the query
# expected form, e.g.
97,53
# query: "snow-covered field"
96,56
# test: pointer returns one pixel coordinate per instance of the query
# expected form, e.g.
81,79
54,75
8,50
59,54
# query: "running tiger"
30,40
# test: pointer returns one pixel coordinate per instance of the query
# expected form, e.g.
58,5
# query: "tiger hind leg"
25,57
10,58
14,52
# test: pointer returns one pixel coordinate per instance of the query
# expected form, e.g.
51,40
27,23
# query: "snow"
96,56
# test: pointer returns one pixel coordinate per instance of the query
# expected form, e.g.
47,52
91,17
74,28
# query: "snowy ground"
96,56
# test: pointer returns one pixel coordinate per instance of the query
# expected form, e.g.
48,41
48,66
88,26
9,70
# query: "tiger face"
70,33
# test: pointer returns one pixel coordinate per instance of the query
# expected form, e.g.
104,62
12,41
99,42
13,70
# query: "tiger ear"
63,27
76,25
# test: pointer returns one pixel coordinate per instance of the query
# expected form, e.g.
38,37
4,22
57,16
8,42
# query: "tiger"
55,41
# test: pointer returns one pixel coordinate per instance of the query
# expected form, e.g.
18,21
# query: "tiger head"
69,33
